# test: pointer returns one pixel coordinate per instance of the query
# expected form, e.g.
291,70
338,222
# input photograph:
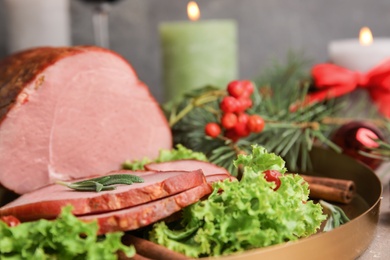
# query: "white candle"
352,54
33,23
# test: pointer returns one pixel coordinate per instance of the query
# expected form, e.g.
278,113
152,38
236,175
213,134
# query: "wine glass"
100,20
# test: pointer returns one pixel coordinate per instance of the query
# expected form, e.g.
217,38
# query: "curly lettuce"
179,153
245,214
63,238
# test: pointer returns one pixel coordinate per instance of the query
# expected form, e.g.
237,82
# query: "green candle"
196,54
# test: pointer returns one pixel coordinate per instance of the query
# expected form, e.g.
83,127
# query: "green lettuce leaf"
240,215
63,238
179,153
261,161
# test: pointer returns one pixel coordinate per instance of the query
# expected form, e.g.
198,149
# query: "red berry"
212,129
243,104
235,88
229,120
256,123
273,175
228,104
248,86
248,103
243,118
231,134
241,129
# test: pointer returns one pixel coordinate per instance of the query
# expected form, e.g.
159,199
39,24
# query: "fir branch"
288,133
195,101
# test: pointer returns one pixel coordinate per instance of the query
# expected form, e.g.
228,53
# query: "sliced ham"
69,113
146,214
48,201
212,172
187,165
219,177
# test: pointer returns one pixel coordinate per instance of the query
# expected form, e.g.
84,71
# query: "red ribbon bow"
334,81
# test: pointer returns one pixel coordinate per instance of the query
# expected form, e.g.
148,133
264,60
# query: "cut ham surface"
219,177
211,171
187,165
48,201
146,214
69,113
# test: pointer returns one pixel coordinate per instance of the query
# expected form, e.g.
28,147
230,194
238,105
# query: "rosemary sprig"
337,216
103,183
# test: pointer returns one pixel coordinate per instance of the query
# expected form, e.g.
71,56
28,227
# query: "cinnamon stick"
331,189
318,191
150,250
121,256
341,184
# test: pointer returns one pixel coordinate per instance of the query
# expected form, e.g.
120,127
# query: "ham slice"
212,172
69,113
219,177
187,165
146,214
48,201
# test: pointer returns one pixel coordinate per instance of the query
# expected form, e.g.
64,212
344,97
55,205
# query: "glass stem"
100,25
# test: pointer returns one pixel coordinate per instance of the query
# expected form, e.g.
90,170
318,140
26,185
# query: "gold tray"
348,241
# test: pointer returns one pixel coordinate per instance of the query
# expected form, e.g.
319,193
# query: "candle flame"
365,36
193,11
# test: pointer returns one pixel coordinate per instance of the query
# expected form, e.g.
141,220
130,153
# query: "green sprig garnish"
103,183
337,216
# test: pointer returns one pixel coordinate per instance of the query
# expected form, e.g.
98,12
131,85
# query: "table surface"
380,247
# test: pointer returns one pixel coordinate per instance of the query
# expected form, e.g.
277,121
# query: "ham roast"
48,201
69,113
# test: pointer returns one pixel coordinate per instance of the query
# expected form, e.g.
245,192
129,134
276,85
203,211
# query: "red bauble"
358,136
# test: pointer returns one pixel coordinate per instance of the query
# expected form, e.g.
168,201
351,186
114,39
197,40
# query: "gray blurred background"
268,29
